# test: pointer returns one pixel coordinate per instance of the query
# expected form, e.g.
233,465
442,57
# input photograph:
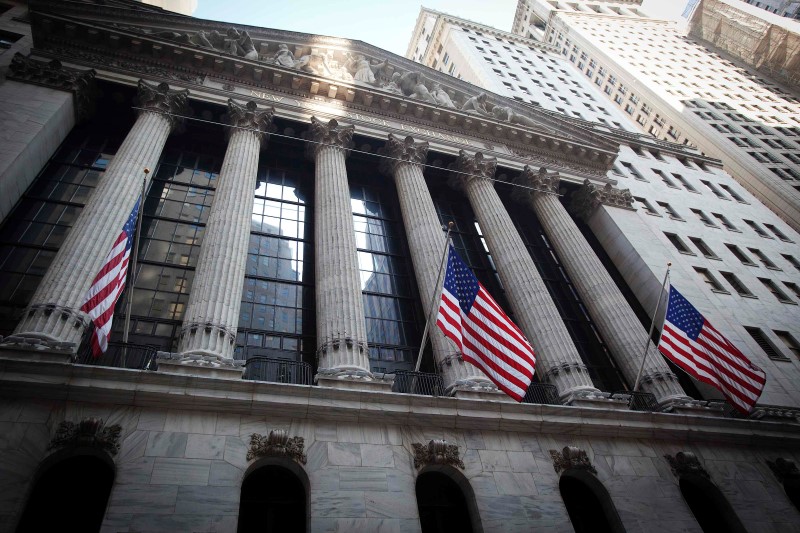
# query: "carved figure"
362,70
476,105
240,44
507,114
413,84
316,64
284,57
394,84
441,97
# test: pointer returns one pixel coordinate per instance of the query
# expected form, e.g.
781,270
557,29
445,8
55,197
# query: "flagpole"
652,327
433,298
134,257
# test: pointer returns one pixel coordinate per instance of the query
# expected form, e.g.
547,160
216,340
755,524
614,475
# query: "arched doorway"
709,506
442,504
69,494
588,503
273,500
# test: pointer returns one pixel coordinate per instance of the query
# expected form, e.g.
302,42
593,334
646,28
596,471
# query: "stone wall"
181,470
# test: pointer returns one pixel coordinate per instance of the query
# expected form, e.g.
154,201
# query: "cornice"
22,377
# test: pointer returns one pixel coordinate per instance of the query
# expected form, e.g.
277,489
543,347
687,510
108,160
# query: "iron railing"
638,401
542,393
424,383
121,355
277,370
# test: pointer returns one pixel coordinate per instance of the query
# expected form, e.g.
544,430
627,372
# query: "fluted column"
616,320
557,359
54,314
426,243
341,329
212,314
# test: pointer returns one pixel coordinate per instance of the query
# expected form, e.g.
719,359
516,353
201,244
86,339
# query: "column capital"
591,196
56,76
248,116
535,182
330,134
163,100
402,151
468,167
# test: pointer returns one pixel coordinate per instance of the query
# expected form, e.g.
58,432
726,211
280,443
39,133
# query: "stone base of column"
14,349
193,365
354,379
594,399
477,389
65,326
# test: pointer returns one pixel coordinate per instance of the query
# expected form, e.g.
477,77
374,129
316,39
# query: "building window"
778,233
737,285
678,243
704,218
792,260
686,185
758,229
671,210
733,194
710,280
725,222
789,341
647,206
714,189
7,39
765,344
793,287
763,258
668,182
740,255
633,171
775,290
703,247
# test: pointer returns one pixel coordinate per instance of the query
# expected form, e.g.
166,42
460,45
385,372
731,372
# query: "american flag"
692,343
486,337
108,285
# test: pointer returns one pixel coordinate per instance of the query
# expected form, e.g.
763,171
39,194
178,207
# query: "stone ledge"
67,382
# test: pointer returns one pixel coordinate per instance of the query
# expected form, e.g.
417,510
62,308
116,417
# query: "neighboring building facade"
292,227
784,8
727,111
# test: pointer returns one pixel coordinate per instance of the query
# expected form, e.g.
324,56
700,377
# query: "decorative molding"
566,368
191,328
468,167
535,182
571,458
277,444
686,463
250,117
784,469
163,100
330,134
436,452
54,75
589,197
659,375
88,432
398,152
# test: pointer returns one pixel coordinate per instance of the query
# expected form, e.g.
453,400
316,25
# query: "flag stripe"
692,343
108,284
483,333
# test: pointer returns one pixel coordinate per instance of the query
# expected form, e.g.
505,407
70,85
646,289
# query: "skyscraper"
722,106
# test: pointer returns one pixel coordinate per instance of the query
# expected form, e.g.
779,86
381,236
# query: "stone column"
557,359
342,354
40,103
616,320
212,314
54,315
426,243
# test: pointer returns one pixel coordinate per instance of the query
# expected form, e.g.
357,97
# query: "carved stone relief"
88,432
591,196
277,444
686,463
436,452
571,458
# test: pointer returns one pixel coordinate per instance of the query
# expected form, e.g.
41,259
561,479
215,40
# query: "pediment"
322,65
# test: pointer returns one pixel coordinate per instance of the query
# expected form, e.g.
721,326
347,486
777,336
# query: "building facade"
292,233
725,108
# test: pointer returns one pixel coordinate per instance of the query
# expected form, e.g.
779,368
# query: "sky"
386,24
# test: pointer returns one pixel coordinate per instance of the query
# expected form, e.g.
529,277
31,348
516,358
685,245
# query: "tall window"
276,318
393,331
